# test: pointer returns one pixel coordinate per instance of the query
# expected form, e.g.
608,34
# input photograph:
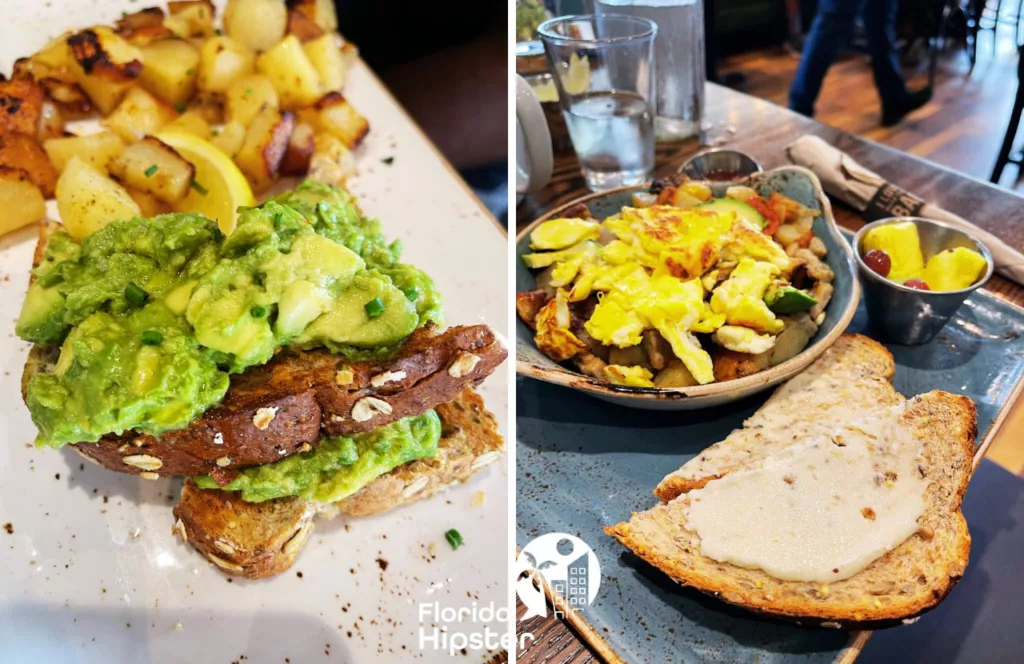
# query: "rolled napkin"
868,192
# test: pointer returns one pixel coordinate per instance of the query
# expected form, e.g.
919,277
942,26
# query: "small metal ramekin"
906,315
720,160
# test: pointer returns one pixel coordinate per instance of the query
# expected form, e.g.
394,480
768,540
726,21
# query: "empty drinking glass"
603,68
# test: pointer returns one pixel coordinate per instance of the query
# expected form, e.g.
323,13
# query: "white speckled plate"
77,587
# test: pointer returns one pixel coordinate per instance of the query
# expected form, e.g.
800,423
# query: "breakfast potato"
259,24
88,200
190,122
149,205
21,201
675,374
793,339
230,138
222,61
104,65
97,150
21,104
68,97
322,12
302,26
171,70
190,18
266,140
155,168
18,151
325,54
729,365
300,150
210,105
143,27
333,114
51,121
248,96
293,75
138,115
332,163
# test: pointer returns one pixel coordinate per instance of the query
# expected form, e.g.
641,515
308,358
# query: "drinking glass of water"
604,70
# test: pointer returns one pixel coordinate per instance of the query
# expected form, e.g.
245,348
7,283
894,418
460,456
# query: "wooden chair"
1005,157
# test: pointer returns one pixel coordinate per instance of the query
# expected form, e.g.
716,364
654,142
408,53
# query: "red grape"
919,284
878,261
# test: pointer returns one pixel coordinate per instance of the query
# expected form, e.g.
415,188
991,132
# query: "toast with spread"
838,503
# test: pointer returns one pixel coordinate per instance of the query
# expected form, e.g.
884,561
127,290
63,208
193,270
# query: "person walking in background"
831,30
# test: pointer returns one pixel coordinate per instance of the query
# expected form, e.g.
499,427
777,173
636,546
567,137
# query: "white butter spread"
821,509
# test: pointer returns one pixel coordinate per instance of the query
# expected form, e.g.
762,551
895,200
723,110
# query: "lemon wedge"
219,188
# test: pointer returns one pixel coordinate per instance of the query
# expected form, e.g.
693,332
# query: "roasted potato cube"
70,99
97,150
321,11
293,75
21,152
210,105
302,26
88,200
300,151
171,70
334,115
144,18
230,138
729,365
21,201
21,104
138,115
222,61
325,54
149,205
190,122
266,140
332,163
156,168
51,121
56,56
190,19
259,24
184,6
105,66
675,374
248,95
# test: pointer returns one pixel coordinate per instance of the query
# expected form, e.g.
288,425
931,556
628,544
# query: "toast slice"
910,579
257,540
852,376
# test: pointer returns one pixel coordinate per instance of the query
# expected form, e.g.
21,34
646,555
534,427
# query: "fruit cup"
906,315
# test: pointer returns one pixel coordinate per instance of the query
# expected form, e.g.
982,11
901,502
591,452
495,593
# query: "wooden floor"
962,128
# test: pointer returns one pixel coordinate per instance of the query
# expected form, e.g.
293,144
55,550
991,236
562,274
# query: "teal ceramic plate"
582,465
795,182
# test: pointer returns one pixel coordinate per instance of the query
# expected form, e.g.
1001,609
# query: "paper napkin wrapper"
845,179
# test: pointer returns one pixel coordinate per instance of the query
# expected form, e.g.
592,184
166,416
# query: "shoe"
892,114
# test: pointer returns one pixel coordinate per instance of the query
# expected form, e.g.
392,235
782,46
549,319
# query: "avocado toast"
294,362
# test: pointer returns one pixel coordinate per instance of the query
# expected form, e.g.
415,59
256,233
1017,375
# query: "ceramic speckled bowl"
793,181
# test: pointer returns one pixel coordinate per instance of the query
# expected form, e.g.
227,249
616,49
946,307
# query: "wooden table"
763,129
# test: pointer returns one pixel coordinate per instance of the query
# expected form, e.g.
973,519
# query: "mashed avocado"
153,314
339,466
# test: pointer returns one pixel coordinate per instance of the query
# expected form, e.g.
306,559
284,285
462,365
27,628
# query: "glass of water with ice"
604,69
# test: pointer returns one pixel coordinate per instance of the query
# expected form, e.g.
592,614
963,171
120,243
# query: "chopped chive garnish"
190,71
258,312
374,307
248,92
454,538
200,189
277,218
151,170
135,295
180,108
387,161
218,32
152,338
411,293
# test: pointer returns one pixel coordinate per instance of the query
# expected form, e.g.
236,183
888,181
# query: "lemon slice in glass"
219,188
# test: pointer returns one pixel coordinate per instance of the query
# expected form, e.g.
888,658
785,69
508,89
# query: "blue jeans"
831,30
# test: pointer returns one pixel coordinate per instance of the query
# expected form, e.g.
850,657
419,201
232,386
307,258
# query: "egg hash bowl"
683,295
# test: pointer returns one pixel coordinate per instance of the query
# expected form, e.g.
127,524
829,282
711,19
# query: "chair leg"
939,41
1011,128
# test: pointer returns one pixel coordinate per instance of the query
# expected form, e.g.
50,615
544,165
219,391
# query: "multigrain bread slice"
852,376
257,540
900,585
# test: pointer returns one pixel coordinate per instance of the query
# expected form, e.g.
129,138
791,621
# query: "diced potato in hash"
675,374
321,11
223,60
334,115
88,200
266,140
190,122
259,24
190,19
138,115
171,70
98,150
21,201
300,151
332,163
156,168
248,96
21,104
325,54
105,66
302,26
230,138
18,151
730,365
293,75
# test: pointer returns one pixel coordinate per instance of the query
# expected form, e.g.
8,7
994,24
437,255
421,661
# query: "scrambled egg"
740,298
554,338
631,376
743,340
563,233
